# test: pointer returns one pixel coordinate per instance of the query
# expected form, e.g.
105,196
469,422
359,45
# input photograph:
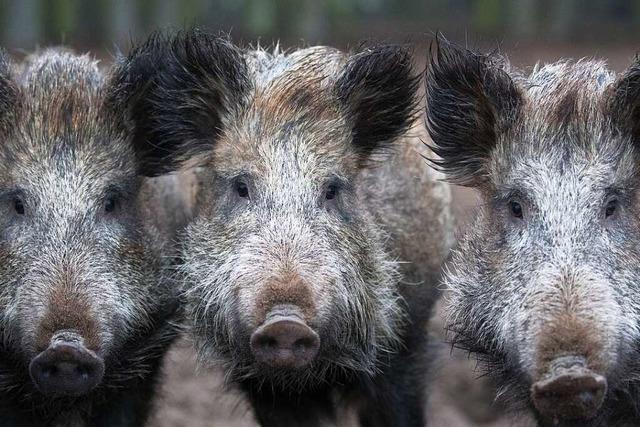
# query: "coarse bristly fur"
287,213
550,266
84,242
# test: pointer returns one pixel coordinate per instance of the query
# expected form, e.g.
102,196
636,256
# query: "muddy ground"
192,397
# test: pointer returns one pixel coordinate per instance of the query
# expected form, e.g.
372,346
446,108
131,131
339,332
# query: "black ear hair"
8,91
378,90
624,100
470,100
176,91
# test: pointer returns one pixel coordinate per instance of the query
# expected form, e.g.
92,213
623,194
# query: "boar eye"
242,189
331,192
110,205
516,209
113,200
18,206
610,209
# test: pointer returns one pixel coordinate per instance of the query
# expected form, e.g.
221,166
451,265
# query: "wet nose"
66,368
285,341
570,391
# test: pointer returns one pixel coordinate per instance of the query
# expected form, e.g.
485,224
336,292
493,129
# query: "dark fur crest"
625,100
8,91
184,86
470,98
378,89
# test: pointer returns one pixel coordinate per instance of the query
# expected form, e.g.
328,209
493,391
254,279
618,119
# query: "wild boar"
292,278
543,285
87,307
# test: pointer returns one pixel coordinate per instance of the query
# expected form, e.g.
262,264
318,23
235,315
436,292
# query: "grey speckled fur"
550,265
68,261
291,127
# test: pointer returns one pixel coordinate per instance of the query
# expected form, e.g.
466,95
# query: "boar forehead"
292,118
62,131
564,143
559,169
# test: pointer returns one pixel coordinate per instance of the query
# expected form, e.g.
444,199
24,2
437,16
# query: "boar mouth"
569,391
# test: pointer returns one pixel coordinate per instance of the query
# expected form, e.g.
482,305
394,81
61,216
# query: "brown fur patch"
132,252
68,308
292,97
566,108
569,335
299,104
289,288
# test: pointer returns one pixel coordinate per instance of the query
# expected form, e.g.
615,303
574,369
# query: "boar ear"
624,100
8,91
177,90
470,100
378,90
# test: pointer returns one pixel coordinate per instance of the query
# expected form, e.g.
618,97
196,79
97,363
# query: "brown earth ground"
193,397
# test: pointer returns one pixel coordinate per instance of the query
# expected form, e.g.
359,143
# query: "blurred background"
526,30
586,27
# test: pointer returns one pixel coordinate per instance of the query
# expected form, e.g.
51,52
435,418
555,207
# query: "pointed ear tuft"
177,91
624,101
471,99
9,92
378,90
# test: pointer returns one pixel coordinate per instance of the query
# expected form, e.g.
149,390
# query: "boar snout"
66,367
284,340
570,390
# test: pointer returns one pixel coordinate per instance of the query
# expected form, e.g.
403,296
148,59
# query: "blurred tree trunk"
314,21
22,23
123,25
167,12
522,18
487,16
564,15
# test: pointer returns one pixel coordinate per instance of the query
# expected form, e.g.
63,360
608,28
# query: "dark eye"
332,192
111,204
610,209
242,189
516,209
18,206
